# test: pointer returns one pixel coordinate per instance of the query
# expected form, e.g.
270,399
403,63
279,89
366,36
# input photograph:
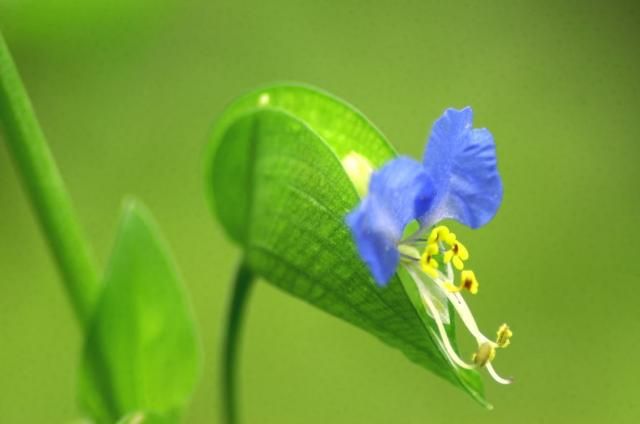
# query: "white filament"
426,298
495,376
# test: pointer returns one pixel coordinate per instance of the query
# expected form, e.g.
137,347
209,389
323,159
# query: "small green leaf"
278,185
141,352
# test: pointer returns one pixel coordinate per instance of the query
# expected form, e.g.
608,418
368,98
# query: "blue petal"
462,164
398,193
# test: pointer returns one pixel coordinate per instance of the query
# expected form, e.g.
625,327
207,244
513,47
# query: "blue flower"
398,193
461,161
458,179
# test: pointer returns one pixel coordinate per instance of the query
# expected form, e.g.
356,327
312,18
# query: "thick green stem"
233,326
45,188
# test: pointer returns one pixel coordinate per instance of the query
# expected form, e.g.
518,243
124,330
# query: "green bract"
277,184
141,351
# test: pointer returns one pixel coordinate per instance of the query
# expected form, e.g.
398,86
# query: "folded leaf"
277,185
141,352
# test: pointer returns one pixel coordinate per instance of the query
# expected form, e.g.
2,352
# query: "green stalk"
240,294
45,188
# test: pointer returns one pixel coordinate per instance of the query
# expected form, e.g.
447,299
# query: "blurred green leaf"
279,189
141,352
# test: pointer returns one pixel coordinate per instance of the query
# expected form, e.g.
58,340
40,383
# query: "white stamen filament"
495,376
462,308
426,298
432,290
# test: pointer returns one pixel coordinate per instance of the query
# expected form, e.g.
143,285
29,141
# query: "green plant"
141,355
286,164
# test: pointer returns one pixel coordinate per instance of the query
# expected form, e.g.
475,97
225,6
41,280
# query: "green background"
127,92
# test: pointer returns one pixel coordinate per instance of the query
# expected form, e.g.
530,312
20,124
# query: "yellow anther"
442,233
433,235
431,249
461,251
450,239
457,255
504,336
486,352
429,265
469,282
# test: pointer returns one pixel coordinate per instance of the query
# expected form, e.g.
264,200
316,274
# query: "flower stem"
241,289
45,188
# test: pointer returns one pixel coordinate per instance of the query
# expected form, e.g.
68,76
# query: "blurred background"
127,91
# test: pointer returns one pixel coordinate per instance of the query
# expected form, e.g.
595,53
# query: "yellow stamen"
504,336
457,254
442,233
469,281
429,265
486,352
457,262
461,251
432,249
